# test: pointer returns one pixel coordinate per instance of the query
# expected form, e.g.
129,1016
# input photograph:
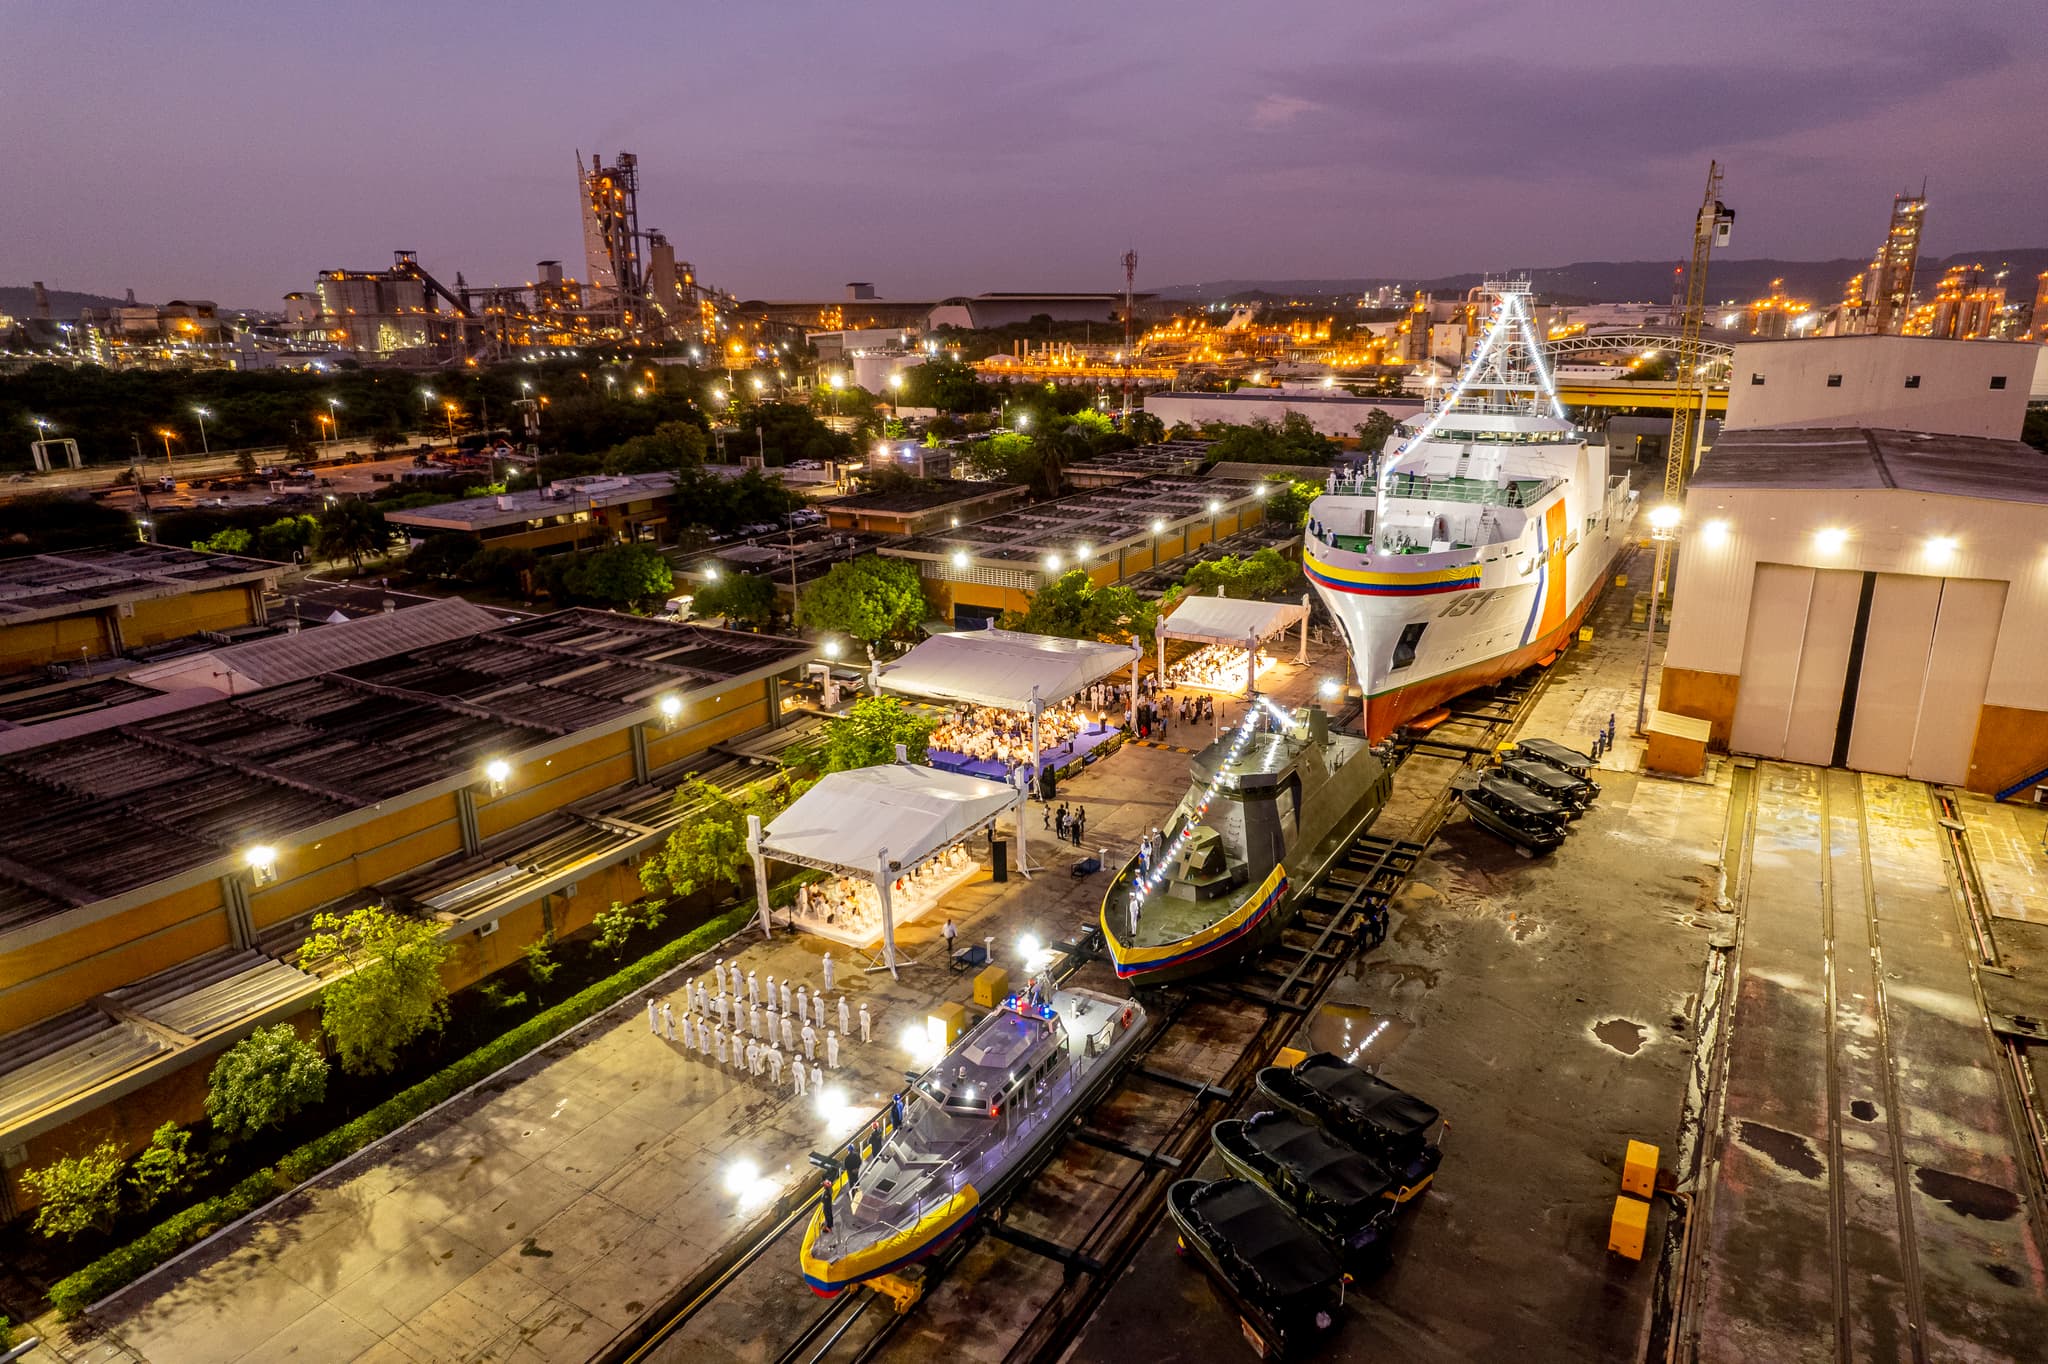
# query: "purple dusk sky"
230,150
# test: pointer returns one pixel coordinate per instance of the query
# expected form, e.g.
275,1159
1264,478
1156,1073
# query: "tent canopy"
1000,667
848,819
1225,621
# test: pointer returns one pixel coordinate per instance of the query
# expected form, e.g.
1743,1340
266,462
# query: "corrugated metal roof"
308,653
67,1056
1859,457
213,992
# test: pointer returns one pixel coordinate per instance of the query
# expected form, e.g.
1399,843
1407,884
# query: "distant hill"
1635,280
65,304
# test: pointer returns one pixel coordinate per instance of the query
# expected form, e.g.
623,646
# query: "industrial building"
1867,598
569,513
975,572
77,606
1890,382
158,876
926,505
1332,412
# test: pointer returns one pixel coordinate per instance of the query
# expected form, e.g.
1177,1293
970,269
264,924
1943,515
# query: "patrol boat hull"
974,1124
1279,808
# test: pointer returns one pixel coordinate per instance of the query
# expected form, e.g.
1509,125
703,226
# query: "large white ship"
1477,544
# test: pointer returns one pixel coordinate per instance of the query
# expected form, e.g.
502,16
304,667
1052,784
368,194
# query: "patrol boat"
1281,792
970,1126
1478,543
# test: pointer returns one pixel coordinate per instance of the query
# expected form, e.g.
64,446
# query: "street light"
831,648
202,414
166,433
960,558
1663,530
427,396
334,417
449,409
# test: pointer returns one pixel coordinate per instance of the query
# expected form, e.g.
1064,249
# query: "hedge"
125,1264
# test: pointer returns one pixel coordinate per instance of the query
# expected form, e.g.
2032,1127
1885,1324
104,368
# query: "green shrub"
76,1194
263,1080
165,1167
120,1267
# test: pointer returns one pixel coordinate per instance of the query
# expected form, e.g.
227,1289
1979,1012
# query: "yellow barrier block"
1639,1169
1585,634
990,986
1290,1056
1621,580
946,1022
1630,1226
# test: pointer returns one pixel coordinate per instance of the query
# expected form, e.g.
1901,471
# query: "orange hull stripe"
1554,530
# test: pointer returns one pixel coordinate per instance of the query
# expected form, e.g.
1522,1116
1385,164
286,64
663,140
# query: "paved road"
1868,1203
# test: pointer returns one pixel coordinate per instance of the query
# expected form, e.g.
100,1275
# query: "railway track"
1154,1120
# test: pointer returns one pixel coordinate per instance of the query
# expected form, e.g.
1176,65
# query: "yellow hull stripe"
1457,573
887,1252
1126,955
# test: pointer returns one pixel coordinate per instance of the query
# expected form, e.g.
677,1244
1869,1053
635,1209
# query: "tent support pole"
1131,700
1301,656
760,874
882,881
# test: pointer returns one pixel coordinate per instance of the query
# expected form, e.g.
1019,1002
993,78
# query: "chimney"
42,302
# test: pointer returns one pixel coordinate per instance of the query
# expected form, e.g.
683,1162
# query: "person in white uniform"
753,988
719,1034
774,1059
832,1049
831,971
796,1075
788,1032
653,1017
867,1025
753,1057
845,1017
785,994
810,1043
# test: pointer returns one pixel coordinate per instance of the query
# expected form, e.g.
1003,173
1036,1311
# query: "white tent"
1222,620
1006,669
875,822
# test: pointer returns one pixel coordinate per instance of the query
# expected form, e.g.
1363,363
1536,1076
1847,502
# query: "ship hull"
1254,922
1389,710
830,1278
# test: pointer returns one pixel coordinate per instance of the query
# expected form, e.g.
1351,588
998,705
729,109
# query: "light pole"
1663,530
327,421
334,418
167,433
449,408
202,414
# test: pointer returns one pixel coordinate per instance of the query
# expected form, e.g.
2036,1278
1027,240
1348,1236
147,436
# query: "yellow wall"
64,971
35,643
162,618
1703,696
538,788
2012,745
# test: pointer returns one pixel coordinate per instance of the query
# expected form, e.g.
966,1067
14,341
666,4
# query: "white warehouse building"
1867,598
1895,383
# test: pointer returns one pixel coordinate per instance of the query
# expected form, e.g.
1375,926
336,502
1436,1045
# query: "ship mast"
1506,375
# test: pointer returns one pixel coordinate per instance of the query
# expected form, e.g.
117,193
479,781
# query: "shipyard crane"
1710,229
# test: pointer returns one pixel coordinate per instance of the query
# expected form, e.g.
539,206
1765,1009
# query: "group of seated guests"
853,903
1216,666
1004,736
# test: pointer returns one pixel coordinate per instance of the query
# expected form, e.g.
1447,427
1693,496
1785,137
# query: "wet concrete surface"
1545,1008
1868,1201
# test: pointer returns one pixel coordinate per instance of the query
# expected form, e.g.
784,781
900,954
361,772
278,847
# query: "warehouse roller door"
1802,624
1882,672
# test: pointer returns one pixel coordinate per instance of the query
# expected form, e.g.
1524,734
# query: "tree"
620,575
946,385
387,438
1291,440
444,554
263,1081
670,446
615,925
52,521
747,598
233,540
166,1167
245,463
869,598
353,530
1374,430
298,444
1073,607
707,850
286,537
503,571
867,735
390,990
1290,503
1007,455
1262,574
1145,428
76,1194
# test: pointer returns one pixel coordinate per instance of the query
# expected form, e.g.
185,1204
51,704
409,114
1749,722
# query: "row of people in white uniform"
766,1022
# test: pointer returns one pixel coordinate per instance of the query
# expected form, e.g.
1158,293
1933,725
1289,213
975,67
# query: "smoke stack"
42,302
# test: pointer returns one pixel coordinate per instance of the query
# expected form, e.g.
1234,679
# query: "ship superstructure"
1474,545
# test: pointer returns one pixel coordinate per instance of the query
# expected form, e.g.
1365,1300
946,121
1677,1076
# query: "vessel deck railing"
1521,492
